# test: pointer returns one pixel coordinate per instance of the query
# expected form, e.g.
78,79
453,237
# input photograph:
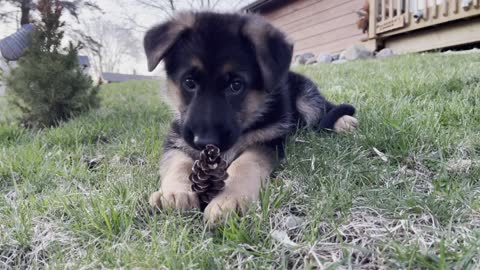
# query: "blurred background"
111,31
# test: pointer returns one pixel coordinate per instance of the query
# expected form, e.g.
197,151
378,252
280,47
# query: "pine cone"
208,174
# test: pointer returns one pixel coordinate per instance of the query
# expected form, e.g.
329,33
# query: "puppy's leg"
316,111
247,174
175,191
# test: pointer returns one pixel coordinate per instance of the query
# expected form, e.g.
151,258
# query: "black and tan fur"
229,84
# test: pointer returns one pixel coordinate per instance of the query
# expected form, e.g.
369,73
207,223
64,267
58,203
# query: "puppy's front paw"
224,205
346,124
182,200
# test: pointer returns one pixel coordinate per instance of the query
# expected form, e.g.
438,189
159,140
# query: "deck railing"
392,17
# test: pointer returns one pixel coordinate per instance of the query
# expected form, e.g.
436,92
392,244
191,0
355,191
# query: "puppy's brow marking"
228,67
197,63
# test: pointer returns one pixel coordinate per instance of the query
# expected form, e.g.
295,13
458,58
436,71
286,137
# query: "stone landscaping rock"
296,59
385,53
356,52
302,58
325,58
311,61
308,55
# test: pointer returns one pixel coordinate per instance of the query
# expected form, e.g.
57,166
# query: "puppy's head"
220,68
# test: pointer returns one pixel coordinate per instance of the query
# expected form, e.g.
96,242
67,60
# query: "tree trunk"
25,6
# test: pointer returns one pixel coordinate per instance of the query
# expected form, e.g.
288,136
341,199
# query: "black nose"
202,141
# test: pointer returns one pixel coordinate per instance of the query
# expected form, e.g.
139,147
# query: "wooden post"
382,6
407,12
425,10
435,9
455,6
372,24
390,14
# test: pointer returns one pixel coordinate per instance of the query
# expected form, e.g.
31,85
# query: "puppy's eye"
190,84
236,86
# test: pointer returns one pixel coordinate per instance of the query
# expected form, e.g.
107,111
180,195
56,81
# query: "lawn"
402,192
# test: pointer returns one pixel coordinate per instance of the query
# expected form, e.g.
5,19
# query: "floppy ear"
273,51
159,39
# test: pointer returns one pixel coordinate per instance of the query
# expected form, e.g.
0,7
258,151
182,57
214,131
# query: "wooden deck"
419,25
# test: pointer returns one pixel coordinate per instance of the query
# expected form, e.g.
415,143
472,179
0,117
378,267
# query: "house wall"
318,26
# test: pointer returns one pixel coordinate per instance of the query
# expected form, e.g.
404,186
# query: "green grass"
340,204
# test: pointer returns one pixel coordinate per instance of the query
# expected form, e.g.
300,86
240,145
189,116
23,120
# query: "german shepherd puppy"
229,85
